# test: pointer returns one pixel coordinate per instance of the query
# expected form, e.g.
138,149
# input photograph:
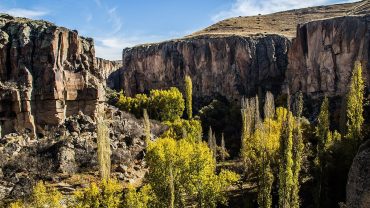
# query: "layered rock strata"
219,66
47,73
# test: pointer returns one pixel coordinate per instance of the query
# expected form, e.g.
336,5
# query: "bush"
107,194
181,128
41,197
163,105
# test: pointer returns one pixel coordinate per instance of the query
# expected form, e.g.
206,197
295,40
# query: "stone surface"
47,73
219,66
358,186
323,55
62,154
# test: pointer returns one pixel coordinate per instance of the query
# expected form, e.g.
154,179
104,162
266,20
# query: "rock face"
358,186
323,55
69,151
47,73
318,61
106,68
219,66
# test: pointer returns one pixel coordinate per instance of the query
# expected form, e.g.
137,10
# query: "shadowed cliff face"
46,73
323,54
318,61
219,66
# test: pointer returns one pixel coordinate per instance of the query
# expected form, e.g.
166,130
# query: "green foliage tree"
297,151
189,96
142,198
103,143
193,129
355,99
163,105
146,122
107,194
286,163
191,168
166,105
41,197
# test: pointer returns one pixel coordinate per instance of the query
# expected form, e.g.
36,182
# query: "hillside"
282,23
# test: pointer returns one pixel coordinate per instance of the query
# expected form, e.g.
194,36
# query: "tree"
41,197
103,143
286,163
139,198
166,105
163,105
269,107
355,99
189,96
192,129
106,194
146,126
223,151
297,151
191,167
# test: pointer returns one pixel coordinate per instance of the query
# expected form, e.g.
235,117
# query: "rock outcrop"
47,73
219,66
358,186
67,154
323,55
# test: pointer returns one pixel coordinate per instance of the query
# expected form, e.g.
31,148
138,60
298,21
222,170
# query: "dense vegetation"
184,169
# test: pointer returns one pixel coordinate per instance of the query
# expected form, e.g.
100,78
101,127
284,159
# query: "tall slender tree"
224,152
297,151
103,143
355,99
189,96
286,161
322,133
146,126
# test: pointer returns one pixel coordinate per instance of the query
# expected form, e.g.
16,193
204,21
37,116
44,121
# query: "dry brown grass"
283,23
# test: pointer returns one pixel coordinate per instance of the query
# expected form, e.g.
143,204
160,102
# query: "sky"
117,24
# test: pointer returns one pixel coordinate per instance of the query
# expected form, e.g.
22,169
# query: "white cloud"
29,13
114,19
111,48
254,7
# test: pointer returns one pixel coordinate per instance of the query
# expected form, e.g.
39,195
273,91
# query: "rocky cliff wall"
47,73
323,54
219,66
318,61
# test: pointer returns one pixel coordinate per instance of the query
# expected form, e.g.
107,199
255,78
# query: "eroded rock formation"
323,55
227,66
318,61
47,73
67,157
358,186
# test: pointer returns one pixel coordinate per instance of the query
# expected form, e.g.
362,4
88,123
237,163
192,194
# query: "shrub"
163,105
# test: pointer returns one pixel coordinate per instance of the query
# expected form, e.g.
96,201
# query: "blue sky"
116,24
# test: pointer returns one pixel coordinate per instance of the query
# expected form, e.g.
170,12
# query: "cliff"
323,54
47,73
232,58
219,66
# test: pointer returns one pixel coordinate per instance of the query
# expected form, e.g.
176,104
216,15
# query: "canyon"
51,78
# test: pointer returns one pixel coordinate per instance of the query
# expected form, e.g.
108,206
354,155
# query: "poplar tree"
322,133
146,126
224,152
103,143
297,151
188,96
355,99
286,162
